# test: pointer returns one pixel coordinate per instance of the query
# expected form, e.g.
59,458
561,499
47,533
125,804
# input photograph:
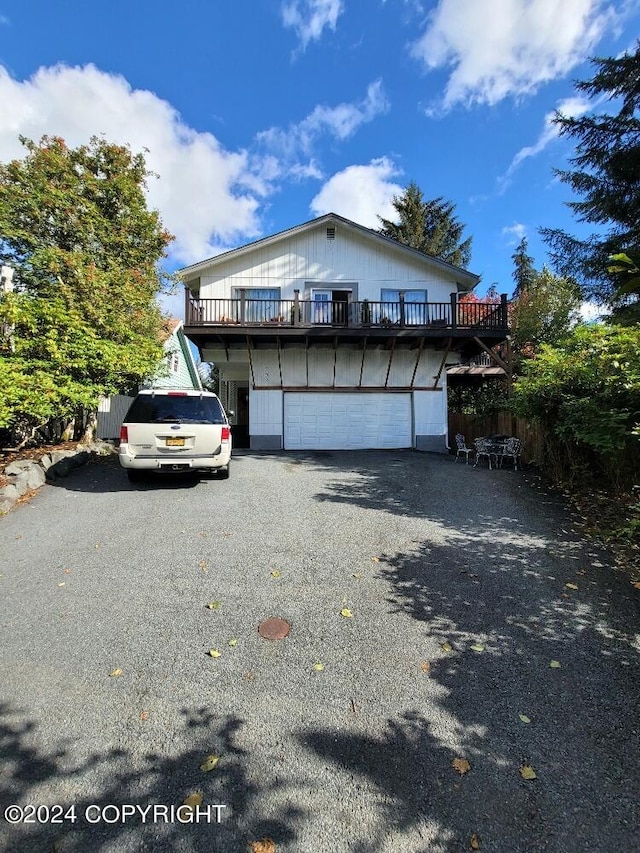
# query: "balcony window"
262,303
415,307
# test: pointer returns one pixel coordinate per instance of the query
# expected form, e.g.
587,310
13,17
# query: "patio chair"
511,450
462,448
483,448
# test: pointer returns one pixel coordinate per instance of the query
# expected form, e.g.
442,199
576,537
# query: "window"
415,307
174,362
262,303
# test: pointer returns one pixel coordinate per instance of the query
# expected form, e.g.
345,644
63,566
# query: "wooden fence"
499,423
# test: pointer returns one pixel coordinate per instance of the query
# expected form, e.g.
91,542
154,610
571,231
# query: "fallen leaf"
144,715
233,643
358,575
193,801
275,573
346,613
209,763
425,666
115,673
213,605
474,841
461,765
446,647
554,664
571,585
354,708
527,772
318,666
61,584
375,559
214,653
248,676
203,565
266,845
636,585
524,718
67,571
477,647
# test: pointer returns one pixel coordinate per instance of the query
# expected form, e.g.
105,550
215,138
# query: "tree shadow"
116,777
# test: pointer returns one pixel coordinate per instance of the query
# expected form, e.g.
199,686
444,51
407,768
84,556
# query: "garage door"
328,421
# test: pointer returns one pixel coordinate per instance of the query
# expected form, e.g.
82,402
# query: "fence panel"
499,423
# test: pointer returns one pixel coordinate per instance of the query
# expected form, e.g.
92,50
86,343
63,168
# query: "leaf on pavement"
346,613
554,664
571,585
636,585
524,718
115,673
233,643
357,575
474,841
461,765
275,573
144,715
425,666
193,801
214,653
375,559
527,772
477,647
203,565
213,605
62,584
209,763
266,845
318,666
446,647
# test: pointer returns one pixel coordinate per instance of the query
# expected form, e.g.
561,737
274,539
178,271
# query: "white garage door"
328,421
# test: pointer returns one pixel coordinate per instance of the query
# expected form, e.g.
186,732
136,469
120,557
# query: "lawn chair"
462,448
511,450
483,448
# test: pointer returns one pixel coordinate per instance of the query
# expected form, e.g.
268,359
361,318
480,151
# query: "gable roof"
466,280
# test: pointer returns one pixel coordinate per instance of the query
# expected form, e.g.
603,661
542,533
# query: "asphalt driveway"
463,586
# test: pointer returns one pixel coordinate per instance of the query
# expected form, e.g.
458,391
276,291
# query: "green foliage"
606,177
586,394
543,312
84,321
429,226
524,271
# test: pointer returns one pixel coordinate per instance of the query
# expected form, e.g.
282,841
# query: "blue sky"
258,115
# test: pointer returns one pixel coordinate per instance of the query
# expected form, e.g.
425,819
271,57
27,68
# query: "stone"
19,466
5,504
34,476
45,461
14,490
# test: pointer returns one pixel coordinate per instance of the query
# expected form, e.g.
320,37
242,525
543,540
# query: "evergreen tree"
429,226
524,272
606,176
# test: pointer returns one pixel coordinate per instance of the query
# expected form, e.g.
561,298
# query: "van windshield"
163,409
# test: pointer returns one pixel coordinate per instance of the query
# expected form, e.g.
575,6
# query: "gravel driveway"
463,584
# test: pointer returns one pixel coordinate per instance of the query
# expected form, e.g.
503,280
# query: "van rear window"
162,409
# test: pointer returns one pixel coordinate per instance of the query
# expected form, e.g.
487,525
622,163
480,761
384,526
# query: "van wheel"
134,475
223,474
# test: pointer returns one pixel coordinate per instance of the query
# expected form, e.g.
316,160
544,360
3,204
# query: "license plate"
175,442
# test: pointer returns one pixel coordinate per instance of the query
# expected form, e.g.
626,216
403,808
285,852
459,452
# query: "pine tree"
429,226
524,272
606,176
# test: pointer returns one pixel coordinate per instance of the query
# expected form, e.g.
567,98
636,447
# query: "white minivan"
175,431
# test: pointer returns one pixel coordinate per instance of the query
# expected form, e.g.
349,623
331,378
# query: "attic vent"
331,233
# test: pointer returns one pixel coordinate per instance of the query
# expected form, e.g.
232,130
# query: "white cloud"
360,193
309,18
340,122
501,48
572,107
514,233
77,103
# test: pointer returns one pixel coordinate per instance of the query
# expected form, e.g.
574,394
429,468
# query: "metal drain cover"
274,628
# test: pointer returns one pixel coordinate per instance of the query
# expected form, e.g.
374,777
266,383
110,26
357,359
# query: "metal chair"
483,448
462,448
512,450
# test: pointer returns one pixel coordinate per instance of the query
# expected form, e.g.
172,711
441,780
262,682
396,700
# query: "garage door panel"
343,421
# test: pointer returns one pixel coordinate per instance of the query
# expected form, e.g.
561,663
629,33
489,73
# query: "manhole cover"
274,628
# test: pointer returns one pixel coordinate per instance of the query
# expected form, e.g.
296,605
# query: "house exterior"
176,370
331,336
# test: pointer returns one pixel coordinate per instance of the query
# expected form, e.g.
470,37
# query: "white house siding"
111,413
265,413
310,259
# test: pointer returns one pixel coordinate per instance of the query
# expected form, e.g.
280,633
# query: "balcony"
293,317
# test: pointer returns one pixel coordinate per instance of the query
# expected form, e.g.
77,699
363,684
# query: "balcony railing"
342,314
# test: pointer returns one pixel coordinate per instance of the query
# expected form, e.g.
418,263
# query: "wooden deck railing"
363,314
